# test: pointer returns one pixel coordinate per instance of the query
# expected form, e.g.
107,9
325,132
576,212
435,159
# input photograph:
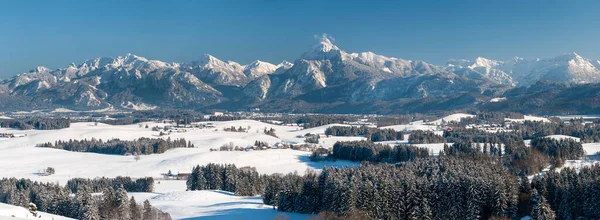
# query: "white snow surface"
7,211
562,137
529,118
452,118
428,126
20,158
170,196
591,148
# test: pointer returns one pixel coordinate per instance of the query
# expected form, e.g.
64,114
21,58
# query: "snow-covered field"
170,196
452,118
591,148
20,158
529,118
563,137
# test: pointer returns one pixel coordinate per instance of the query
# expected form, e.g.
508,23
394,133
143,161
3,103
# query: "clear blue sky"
56,33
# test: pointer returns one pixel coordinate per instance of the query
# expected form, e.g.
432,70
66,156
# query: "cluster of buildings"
7,135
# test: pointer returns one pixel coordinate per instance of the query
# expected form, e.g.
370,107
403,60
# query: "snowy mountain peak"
324,49
259,68
484,62
325,44
210,61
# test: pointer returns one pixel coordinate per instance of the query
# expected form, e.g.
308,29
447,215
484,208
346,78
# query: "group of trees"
243,181
55,199
233,129
223,118
373,134
570,193
36,123
270,131
98,184
261,144
588,132
425,137
143,146
559,150
514,155
480,136
369,151
310,121
347,131
446,188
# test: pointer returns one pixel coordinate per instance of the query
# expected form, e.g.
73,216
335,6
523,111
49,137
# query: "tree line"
425,137
36,123
447,188
559,150
142,146
373,152
570,193
55,199
372,134
587,132
98,184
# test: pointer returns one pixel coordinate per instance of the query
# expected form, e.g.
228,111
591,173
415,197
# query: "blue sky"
56,33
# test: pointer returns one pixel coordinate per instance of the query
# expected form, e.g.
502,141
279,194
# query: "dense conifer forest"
55,199
373,152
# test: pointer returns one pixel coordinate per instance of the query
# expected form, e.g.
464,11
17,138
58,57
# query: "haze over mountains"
323,79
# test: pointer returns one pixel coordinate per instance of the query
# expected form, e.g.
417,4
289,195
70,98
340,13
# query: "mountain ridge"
323,75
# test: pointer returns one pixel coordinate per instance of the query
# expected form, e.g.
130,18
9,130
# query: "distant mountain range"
323,79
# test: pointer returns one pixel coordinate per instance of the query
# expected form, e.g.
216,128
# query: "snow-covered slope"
528,118
563,137
8,211
452,118
211,204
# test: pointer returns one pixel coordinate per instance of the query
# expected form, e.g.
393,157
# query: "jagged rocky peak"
287,64
40,69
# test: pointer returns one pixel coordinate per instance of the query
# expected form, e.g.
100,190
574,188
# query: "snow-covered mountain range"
323,75
569,67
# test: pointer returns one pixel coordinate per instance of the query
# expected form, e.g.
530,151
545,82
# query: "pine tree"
90,211
148,213
541,209
122,202
136,213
